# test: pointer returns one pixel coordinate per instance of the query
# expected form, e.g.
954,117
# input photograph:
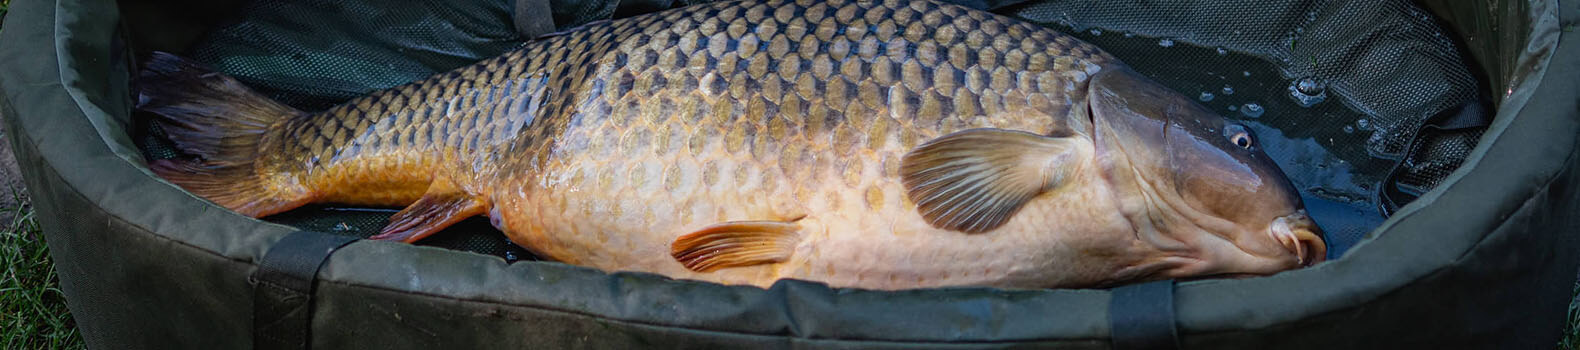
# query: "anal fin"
441,206
736,243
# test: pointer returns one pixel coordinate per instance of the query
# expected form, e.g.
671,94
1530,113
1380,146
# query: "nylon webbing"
1141,316
533,18
628,8
282,288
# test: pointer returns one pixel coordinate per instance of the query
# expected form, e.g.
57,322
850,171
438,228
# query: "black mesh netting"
315,54
1338,90
1387,59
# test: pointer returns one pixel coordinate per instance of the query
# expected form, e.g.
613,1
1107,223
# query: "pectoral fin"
976,180
443,205
736,243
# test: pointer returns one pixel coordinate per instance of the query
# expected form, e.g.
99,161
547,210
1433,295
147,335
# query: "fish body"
873,144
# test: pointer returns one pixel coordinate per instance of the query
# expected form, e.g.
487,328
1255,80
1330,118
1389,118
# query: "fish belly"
779,111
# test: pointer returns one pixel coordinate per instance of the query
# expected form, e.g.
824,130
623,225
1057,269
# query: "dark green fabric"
447,323
1485,261
282,289
117,274
1141,317
1489,254
127,287
790,308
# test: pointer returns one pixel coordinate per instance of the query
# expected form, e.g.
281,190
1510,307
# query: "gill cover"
1196,168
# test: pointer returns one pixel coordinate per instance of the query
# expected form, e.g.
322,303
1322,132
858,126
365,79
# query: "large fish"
874,144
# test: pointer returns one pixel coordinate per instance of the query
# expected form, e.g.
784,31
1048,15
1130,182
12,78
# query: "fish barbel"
873,144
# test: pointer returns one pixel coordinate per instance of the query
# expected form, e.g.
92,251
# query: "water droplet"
1245,73
1233,108
1349,129
1128,35
1223,51
1307,91
1252,110
1205,96
1364,124
1166,43
1228,90
1096,32
342,227
1308,86
1376,139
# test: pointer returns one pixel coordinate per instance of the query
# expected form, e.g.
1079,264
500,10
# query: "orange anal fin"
441,207
736,243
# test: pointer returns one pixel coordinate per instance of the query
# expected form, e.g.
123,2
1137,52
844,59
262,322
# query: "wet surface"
473,235
1319,142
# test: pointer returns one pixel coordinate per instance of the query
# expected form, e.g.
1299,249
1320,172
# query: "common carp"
871,144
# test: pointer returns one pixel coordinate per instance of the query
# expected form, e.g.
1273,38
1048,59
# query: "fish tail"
220,121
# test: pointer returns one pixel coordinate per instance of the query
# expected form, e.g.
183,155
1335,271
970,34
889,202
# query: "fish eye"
1239,136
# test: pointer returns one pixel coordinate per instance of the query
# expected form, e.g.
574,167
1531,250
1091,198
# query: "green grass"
1571,339
33,311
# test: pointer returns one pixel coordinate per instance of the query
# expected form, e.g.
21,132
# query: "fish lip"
1301,235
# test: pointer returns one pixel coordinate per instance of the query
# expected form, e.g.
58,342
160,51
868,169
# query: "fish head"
1196,185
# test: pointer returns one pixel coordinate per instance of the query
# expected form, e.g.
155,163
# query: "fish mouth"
1298,233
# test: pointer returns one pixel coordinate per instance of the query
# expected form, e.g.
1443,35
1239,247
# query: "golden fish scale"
385,148
601,146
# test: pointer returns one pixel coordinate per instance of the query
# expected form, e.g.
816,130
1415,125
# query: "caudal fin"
220,121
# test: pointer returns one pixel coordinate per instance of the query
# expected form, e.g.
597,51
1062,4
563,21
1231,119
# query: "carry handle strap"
282,288
1141,316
